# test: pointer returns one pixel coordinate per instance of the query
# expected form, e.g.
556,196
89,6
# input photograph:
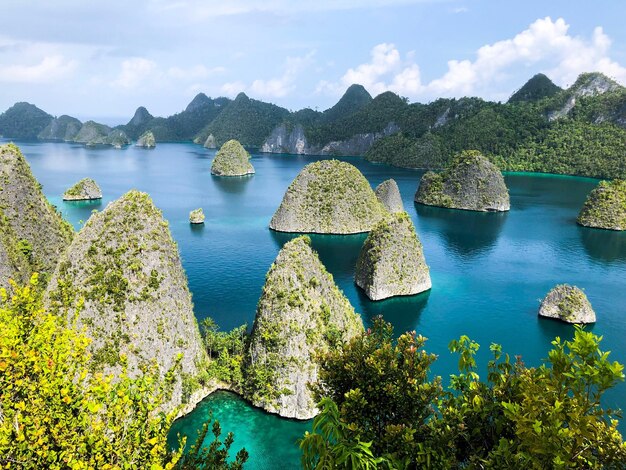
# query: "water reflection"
232,184
604,245
402,312
467,233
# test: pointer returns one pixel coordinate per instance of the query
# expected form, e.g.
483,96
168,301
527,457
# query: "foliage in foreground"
549,417
54,414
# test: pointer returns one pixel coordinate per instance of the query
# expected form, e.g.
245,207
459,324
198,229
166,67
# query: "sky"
103,59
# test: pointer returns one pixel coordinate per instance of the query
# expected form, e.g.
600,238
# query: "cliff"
31,217
389,196
23,121
392,261
125,265
85,190
568,304
146,140
232,160
301,312
470,182
605,206
63,128
328,196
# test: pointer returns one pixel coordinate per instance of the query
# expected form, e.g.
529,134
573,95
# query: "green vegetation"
469,182
380,408
226,351
56,414
301,311
605,206
535,89
246,120
328,196
23,121
196,216
391,261
232,160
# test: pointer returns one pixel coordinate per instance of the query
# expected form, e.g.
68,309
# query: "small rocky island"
123,274
328,196
232,160
567,303
146,140
470,182
301,311
392,261
196,216
209,143
605,206
85,190
388,194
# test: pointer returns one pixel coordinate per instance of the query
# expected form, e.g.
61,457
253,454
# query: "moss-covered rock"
388,194
470,182
33,220
125,267
117,138
392,261
232,160
567,303
328,196
14,255
146,140
301,312
85,190
93,133
605,206
196,216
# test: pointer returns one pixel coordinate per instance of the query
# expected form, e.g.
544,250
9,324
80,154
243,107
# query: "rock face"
14,261
92,133
567,303
232,160
125,265
62,128
605,206
301,311
209,143
391,261
85,190
146,140
284,139
117,138
328,196
33,220
471,182
196,216
388,194
587,84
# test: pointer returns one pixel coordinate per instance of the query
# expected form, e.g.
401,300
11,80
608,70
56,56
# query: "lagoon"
489,270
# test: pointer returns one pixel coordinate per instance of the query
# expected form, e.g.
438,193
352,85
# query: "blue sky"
96,59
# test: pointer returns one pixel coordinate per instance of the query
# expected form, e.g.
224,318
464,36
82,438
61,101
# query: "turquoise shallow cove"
489,271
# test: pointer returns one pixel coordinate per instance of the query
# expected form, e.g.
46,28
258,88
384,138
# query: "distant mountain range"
579,130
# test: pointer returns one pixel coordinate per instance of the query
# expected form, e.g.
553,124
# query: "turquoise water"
489,271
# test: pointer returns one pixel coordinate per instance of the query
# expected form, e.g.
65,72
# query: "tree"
381,388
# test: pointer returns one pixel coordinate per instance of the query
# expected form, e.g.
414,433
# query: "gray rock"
605,206
328,196
125,265
92,133
388,194
392,261
86,189
196,216
62,128
29,214
209,143
301,311
470,182
146,140
567,303
587,84
283,140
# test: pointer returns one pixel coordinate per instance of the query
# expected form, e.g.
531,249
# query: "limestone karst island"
312,235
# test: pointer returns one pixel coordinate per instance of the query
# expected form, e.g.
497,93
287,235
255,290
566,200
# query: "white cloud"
545,45
277,87
134,72
198,72
48,70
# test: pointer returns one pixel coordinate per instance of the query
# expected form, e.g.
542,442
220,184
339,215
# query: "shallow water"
489,271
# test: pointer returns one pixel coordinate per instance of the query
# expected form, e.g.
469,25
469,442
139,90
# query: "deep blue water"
489,271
